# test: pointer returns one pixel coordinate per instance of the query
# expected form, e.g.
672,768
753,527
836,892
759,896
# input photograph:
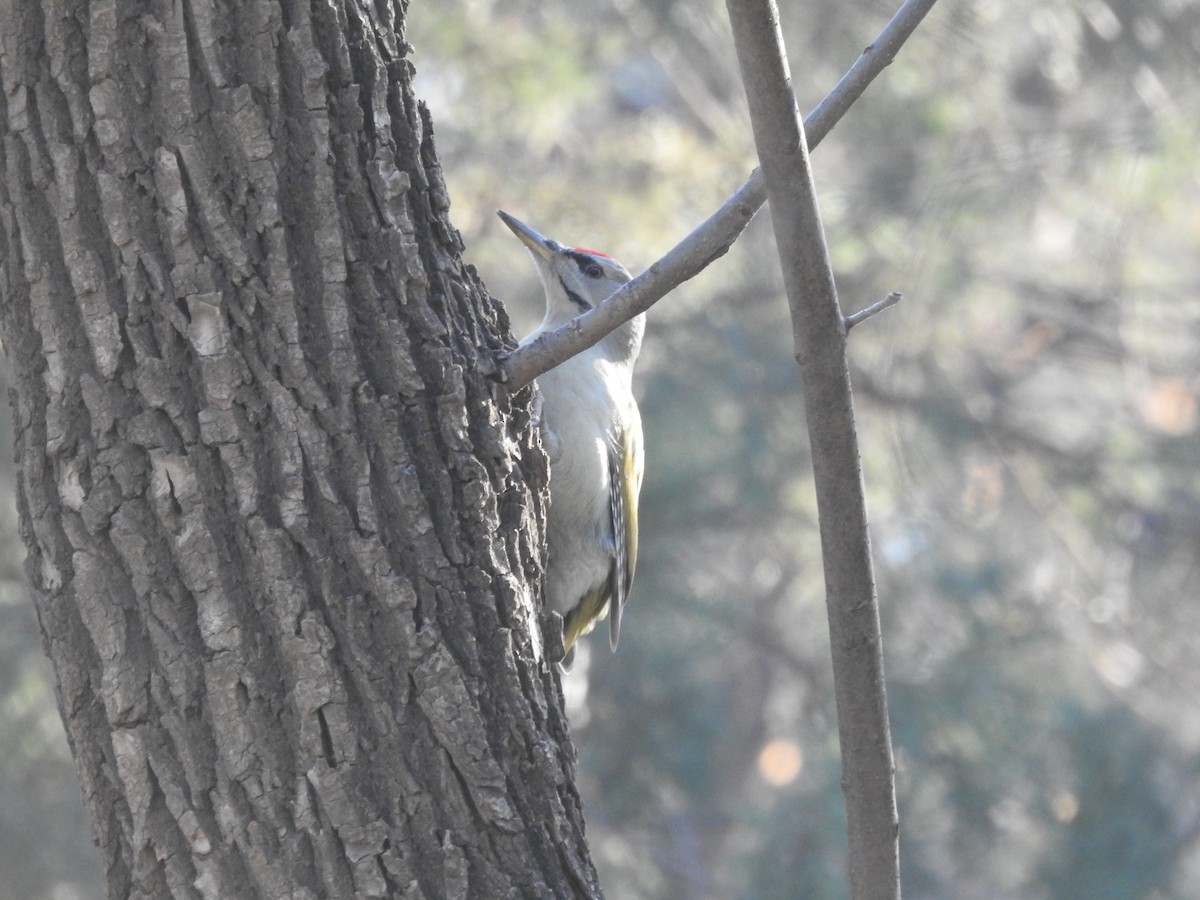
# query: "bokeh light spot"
1170,407
780,761
1065,806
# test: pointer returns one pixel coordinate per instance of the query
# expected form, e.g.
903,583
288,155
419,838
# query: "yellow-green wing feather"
625,463
625,471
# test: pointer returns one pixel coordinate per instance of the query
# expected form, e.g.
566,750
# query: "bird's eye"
593,271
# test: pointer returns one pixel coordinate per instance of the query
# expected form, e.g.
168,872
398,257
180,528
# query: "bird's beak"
541,247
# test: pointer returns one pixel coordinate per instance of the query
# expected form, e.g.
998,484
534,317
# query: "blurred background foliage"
1027,174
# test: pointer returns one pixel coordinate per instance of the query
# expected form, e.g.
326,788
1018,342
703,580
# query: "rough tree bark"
282,526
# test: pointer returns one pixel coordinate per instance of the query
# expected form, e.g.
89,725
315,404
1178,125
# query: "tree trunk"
283,529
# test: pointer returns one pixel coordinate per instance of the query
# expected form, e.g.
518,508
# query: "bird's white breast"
580,418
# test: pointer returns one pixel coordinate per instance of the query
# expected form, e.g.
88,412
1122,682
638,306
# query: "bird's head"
575,279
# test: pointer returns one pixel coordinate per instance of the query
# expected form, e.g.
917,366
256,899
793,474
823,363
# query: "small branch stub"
878,306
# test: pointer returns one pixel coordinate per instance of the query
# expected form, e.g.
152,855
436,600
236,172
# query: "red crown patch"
593,252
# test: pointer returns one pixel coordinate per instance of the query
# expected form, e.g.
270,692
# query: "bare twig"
878,306
819,332
713,238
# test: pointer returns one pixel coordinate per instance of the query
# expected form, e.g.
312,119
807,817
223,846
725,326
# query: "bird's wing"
625,463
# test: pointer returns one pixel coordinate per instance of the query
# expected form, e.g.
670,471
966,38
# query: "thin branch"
713,238
877,56
877,307
819,331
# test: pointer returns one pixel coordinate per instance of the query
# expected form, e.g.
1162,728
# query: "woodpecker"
592,433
